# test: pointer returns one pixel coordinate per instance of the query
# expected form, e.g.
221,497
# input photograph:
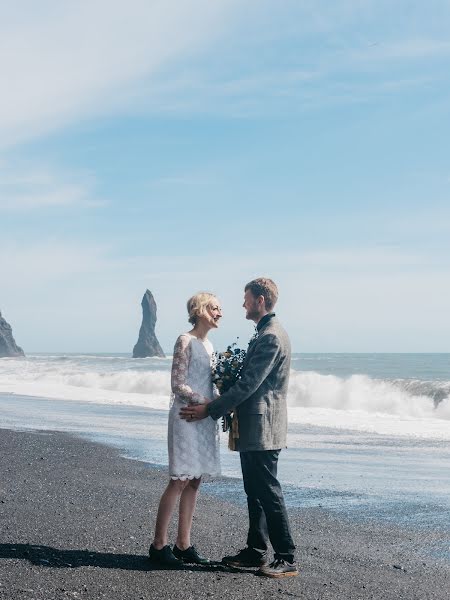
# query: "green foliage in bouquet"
226,370
227,367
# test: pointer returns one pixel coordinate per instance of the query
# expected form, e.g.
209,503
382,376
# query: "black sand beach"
76,519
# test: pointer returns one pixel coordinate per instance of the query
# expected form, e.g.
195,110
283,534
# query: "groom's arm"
263,359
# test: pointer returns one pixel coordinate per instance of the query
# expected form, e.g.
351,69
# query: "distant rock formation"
147,344
8,346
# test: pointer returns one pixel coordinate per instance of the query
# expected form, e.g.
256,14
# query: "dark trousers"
266,509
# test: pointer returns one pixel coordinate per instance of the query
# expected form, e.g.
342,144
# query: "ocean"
368,433
393,394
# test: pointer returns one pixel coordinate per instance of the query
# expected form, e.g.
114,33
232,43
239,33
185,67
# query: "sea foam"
358,402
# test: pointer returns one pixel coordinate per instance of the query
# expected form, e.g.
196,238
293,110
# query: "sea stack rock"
147,344
8,346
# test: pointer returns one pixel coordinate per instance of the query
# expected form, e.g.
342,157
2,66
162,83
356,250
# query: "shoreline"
76,520
357,477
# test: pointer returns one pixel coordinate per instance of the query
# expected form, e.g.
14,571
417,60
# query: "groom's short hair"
263,286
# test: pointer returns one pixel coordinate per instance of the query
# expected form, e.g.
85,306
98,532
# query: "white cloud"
36,265
66,61
409,49
331,74
28,187
71,61
81,297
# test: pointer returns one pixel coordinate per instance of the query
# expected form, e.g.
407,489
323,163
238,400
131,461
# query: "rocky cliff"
8,346
147,344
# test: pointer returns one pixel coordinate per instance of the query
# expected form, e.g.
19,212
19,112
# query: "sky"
192,145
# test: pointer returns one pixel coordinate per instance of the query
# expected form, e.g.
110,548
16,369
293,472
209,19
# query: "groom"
259,399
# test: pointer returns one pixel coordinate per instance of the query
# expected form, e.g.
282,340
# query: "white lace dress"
193,446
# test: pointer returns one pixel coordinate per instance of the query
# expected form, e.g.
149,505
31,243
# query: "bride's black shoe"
190,555
164,557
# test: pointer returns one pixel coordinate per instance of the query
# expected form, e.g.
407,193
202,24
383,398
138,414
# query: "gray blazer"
259,397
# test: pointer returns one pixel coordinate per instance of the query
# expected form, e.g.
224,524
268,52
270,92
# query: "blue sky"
191,145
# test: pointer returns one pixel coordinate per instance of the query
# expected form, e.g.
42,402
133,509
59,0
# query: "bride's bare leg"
166,507
187,507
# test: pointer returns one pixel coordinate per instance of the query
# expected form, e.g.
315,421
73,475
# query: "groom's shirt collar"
264,321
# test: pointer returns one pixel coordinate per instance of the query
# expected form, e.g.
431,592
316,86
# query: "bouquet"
227,367
226,370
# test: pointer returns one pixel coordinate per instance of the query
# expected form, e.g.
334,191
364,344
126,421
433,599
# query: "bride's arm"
180,366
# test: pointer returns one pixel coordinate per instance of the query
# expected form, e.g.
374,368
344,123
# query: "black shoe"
164,557
245,558
279,568
190,555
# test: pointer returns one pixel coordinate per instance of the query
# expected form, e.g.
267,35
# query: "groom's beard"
252,315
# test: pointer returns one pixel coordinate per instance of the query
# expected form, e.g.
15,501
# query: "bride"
193,447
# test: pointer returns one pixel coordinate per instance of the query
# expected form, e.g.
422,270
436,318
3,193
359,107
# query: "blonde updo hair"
196,306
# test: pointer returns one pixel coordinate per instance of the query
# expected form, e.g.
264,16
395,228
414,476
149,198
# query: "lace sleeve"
180,365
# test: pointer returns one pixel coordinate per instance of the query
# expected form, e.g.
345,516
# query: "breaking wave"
356,402
402,397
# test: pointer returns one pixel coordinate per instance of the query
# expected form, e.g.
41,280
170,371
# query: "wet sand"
76,520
